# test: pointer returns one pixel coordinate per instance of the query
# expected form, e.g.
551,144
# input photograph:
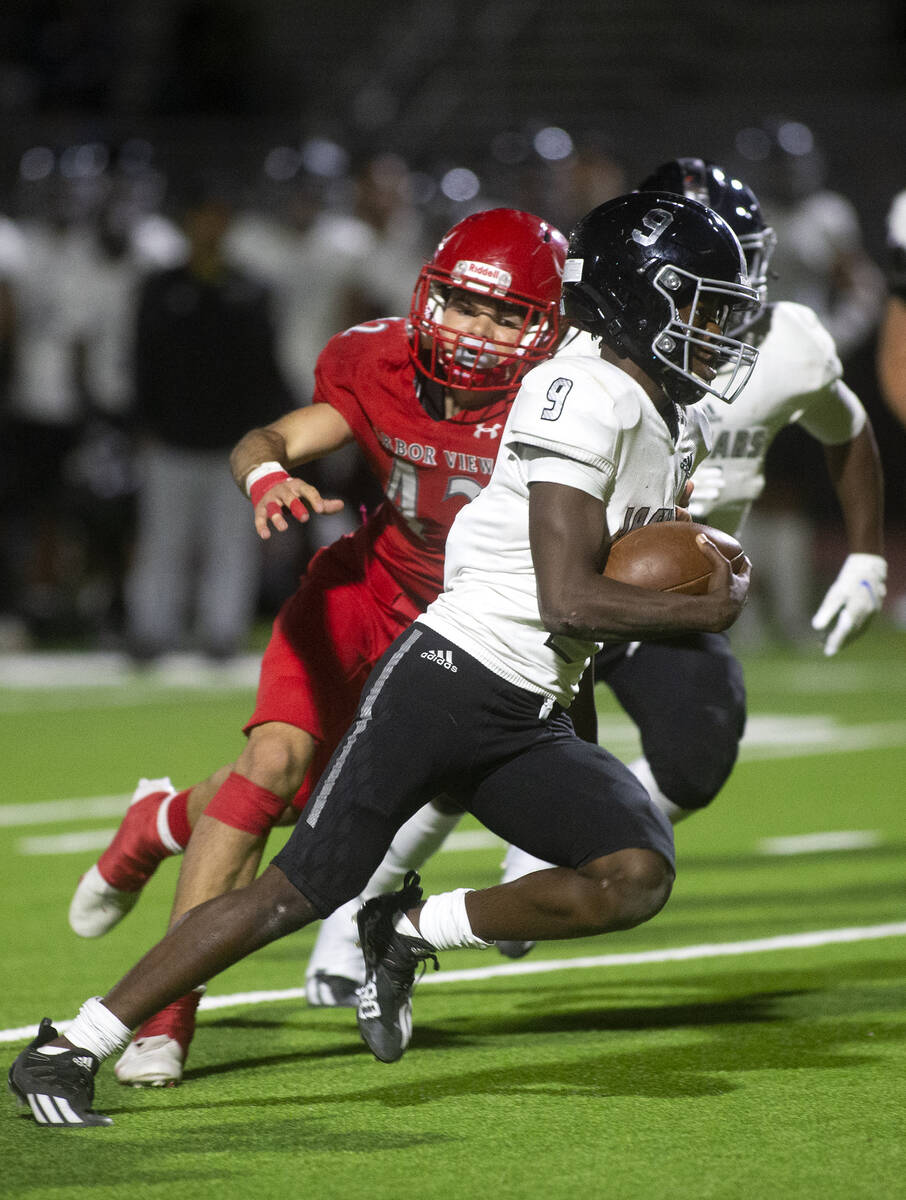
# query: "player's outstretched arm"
569,541
855,471
860,587
892,357
261,460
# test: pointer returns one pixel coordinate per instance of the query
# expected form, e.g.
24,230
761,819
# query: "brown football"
665,557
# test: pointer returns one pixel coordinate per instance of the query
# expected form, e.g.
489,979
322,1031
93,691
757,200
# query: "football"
665,557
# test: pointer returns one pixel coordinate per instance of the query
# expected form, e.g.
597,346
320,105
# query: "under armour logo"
491,430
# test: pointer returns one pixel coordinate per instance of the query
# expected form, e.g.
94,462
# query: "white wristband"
259,472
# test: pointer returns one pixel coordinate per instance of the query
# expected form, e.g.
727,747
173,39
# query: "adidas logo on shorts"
443,657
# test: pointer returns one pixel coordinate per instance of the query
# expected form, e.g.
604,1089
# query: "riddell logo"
495,276
443,658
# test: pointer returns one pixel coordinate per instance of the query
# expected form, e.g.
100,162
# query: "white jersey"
797,380
577,421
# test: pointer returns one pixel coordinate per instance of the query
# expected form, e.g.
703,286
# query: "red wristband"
262,486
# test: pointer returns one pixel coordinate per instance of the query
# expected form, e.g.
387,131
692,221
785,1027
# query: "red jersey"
362,591
427,467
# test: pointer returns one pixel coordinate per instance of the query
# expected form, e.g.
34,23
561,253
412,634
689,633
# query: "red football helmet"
502,254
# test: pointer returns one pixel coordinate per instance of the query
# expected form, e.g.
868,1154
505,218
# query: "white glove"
855,595
709,484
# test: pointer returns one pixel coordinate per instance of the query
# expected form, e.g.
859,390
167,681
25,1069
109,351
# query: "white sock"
336,950
642,771
412,845
444,923
517,863
96,1030
164,832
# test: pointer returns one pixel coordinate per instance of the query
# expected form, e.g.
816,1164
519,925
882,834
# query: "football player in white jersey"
470,701
688,756
687,695
798,380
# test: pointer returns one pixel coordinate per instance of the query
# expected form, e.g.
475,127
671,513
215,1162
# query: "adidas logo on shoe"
443,658
391,958
58,1088
369,1007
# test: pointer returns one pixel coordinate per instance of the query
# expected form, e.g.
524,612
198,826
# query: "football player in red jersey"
426,399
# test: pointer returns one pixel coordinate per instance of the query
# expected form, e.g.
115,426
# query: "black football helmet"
736,203
633,267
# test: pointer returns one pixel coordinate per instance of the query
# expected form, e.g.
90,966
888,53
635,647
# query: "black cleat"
58,1088
385,1000
514,949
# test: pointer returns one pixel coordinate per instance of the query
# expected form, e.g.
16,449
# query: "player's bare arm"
892,357
569,541
855,471
298,437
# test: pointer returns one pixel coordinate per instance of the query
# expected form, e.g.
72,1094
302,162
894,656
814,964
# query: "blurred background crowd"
196,194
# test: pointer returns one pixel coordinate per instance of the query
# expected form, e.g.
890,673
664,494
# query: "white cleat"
336,967
151,1062
331,991
97,906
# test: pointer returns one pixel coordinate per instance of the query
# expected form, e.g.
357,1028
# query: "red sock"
177,1021
141,844
178,818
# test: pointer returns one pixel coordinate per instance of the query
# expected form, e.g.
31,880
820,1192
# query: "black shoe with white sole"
58,1088
384,1011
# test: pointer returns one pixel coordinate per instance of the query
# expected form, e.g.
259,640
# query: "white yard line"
93,669
66,843
48,670
51,812
99,839
787,941
480,839
817,843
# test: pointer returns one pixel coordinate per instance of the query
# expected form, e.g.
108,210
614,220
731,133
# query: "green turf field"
748,1042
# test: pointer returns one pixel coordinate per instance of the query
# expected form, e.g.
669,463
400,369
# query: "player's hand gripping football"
852,599
726,587
278,491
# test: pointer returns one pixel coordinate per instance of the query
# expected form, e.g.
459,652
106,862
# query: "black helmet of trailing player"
504,255
659,278
734,201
